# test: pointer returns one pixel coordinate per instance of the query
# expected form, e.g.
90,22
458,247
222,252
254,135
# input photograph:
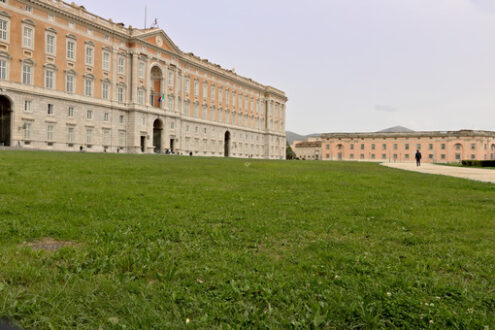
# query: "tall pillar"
134,76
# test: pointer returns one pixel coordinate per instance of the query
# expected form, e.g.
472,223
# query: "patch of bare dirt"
48,244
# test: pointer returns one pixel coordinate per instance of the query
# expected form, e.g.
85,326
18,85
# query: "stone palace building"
390,146
70,79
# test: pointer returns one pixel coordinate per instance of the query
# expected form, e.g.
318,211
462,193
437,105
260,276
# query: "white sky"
346,65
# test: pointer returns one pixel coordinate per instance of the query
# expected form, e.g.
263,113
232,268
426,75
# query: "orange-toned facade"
124,89
435,146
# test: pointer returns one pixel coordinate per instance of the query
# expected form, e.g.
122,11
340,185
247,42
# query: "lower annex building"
399,146
70,79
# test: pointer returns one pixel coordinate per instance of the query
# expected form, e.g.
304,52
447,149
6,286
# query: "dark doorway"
157,135
143,143
227,144
172,147
5,119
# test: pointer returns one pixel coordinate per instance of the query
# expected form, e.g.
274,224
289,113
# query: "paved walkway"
477,174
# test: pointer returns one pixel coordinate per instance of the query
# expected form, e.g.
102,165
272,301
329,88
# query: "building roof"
308,144
463,132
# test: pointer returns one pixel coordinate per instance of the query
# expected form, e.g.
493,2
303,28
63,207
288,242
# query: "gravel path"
477,174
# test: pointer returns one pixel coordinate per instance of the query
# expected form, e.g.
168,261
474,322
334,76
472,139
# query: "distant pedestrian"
418,158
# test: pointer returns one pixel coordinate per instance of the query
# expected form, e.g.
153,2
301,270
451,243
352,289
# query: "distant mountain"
291,136
396,129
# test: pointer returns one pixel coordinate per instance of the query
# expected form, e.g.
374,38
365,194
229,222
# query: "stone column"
134,76
115,58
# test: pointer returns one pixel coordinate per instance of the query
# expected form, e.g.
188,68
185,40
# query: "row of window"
71,112
71,134
395,156
406,146
71,46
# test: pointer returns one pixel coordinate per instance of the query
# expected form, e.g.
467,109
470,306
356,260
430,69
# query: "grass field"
161,242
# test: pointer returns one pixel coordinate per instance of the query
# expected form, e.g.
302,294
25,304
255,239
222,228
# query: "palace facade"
70,79
435,146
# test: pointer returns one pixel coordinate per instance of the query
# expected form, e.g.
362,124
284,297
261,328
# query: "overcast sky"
346,65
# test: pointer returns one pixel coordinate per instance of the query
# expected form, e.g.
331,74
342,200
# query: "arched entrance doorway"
5,120
156,87
226,145
157,135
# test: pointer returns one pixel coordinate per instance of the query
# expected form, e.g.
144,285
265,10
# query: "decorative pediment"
4,14
89,43
5,55
28,22
71,36
107,49
89,76
160,39
50,66
71,72
51,30
106,80
27,61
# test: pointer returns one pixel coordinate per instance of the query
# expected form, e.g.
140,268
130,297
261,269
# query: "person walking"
418,158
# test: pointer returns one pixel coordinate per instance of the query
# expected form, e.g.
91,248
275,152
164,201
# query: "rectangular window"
220,95
170,103
105,87
430,146
473,156
373,146
27,131
430,156
361,156
106,116
442,156
196,109
395,146
120,94
27,74
196,87
362,146
141,70
122,139
384,146
106,137
88,87
212,93
49,132
89,55
3,69
89,136
49,79
71,136
89,114
71,49
70,83
352,146
473,146
227,97
50,44
188,85
443,146
384,156
121,66
3,29
27,105
121,119
170,78
70,112
106,61
458,156
27,40
418,146
140,96
29,9
50,109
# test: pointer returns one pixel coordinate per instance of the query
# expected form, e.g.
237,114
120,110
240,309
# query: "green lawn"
161,242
